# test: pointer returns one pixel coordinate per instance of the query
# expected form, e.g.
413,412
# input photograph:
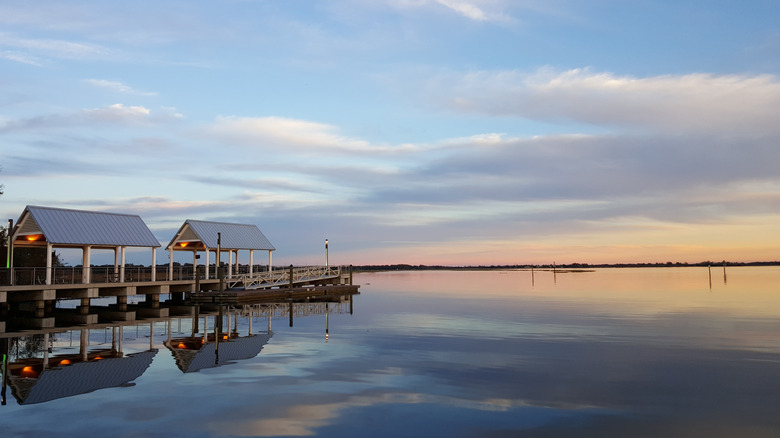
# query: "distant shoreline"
567,266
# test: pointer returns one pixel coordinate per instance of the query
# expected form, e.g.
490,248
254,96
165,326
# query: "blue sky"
406,131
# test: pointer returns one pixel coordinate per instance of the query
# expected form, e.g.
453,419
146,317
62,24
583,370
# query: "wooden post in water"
724,272
291,285
709,270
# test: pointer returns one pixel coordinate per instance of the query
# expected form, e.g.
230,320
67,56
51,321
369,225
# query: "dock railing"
282,277
23,276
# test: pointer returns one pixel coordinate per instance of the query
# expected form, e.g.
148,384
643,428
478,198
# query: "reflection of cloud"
304,419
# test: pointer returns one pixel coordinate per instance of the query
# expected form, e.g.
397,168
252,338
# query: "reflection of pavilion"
32,382
35,375
216,347
193,354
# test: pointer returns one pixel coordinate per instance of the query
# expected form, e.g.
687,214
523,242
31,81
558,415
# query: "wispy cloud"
303,135
31,48
477,10
118,87
675,103
24,58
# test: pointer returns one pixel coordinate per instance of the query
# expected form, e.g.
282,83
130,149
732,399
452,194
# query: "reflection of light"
182,346
97,358
203,340
64,362
28,371
34,237
224,337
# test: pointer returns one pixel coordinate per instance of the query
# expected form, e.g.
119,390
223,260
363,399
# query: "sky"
454,132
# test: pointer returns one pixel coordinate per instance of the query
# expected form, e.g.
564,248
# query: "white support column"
116,261
251,260
122,264
49,248
230,262
170,264
154,264
86,264
207,263
269,260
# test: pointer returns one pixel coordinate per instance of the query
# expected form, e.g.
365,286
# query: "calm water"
612,353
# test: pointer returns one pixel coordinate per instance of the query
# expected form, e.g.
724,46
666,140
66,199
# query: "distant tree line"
407,267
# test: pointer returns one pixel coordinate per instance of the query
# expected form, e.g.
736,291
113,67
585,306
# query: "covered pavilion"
51,228
206,236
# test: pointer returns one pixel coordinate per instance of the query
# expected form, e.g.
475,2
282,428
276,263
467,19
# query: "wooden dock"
242,296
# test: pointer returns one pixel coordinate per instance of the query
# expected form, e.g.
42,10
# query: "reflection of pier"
40,379
38,366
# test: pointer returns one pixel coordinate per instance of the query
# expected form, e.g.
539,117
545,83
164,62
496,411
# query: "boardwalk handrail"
281,277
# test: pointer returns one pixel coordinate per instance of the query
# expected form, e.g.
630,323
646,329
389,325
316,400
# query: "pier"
30,294
37,300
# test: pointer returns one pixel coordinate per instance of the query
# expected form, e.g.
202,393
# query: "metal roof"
234,236
81,378
79,227
192,361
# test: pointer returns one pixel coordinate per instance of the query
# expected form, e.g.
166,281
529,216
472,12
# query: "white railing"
282,277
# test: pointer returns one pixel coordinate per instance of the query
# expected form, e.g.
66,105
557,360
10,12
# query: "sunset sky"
450,132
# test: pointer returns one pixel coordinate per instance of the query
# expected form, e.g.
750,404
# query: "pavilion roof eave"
233,237
79,228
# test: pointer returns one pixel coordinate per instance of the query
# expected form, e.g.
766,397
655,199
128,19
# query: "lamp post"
326,253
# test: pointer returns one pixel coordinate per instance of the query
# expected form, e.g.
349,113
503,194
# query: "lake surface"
653,352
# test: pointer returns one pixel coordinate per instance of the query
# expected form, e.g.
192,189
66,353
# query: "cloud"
31,48
118,113
465,8
20,57
118,87
477,10
693,103
97,117
302,135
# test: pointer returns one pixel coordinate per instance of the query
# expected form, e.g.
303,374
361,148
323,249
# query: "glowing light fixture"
64,362
184,244
34,237
182,346
28,371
